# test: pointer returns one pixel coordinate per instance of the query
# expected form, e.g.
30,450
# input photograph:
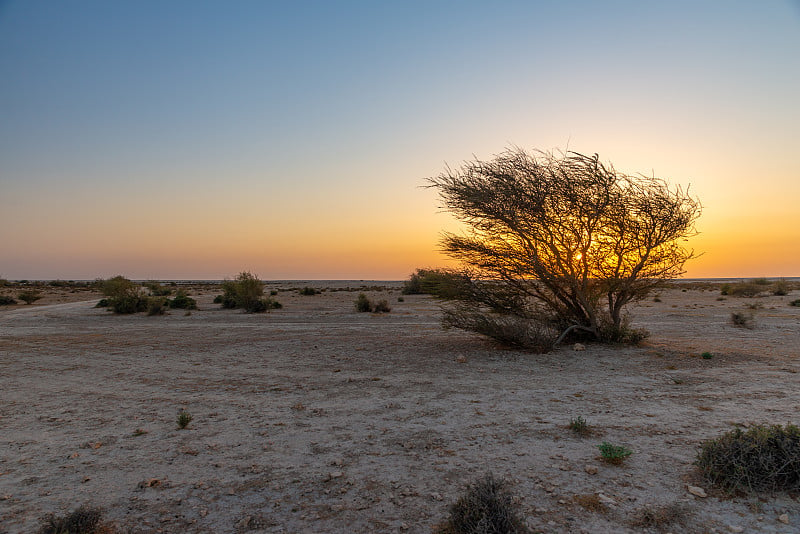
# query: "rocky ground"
315,418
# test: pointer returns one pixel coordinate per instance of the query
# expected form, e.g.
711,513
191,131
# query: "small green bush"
182,301
5,300
123,295
84,520
363,304
579,426
29,297
102,303
795,302
764,458
441,283
780,288
184,418
706,355
486,507
246,292
613,454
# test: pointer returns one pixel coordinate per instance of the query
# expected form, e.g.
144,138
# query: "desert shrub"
760,281
613,454
795,302
84,520
184,418
246,291
780,288
309,291
400,299
486,507
363,304
29,297
441,283
659,517
102,303
579,426
622,333
273,292
157,290
745,289
5,300
123,295
706,355
182,301
218,299
156,305
535,334
742,320
382,306
764,458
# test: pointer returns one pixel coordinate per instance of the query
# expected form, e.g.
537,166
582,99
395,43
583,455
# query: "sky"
197,139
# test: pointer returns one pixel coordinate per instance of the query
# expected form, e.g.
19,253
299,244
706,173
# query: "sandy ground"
315,418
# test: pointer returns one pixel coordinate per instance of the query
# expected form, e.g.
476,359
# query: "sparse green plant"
382,306
579,426
795,302
273,292
363,304
5,300
29,297
182,301
139,432
613,454
219,299
706,355
184,418
763,458
309,291
486,507
102,303
84,520
742,320
400,299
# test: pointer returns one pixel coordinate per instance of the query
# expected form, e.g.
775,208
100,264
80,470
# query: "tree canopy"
567,234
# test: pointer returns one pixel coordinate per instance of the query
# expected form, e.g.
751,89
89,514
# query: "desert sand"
316,418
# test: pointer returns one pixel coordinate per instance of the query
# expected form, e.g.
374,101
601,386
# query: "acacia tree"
566,235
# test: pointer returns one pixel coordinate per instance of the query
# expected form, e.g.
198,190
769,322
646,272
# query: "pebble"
735,528
784,518
605,500
578,346
590,469
697,492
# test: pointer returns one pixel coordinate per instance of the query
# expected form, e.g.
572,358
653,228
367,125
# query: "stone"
605,499
784,518
697,492
578,346
590,469
736,529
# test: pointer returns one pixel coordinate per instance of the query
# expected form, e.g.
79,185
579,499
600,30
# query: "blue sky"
196,139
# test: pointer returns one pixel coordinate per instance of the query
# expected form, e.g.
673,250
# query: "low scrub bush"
764,458
84,520
363,304
795,302
534,334
156,305
29,297
157,290
742,320
182,301
441,283
382,306
309,291
660,517
5,300
579,426
123,295
246,291
486,507
613,454
184,418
